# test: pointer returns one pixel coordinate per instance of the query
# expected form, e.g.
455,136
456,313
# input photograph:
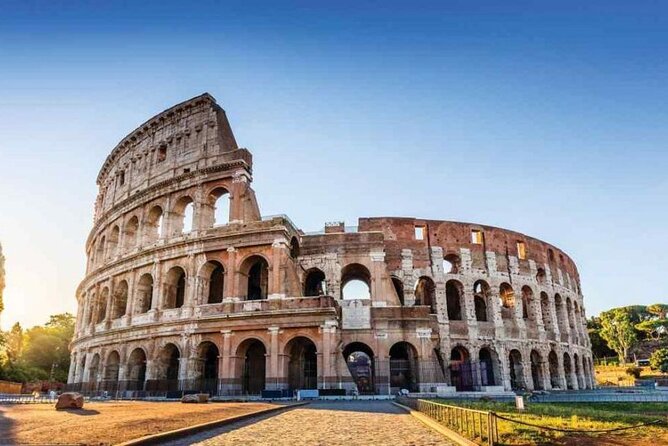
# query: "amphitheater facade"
189,288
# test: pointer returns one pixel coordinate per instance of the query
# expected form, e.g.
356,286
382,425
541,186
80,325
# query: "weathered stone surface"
237,303
195,398
70,400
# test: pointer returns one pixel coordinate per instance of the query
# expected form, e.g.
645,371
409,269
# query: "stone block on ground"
70,400
195,398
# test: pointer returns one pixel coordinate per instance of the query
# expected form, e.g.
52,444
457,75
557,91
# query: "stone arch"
183,214
527,303
461,370
516,370
404,372
454,294
553,366
559,311
359,358
130,233
120,303
355,282
255,277
144,293
102,305
212,276
545,311
568,371
175,288
99,252
112,241
294,247
314,283
490,372
207,367
153,227
252,366
398,286
569,313
112,367
578,372
541,276
425,293
451,264
302,363
481,293
219,204
167,367
536,361
136,373
94,368
507,300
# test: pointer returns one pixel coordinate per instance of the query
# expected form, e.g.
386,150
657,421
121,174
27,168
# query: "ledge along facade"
189,288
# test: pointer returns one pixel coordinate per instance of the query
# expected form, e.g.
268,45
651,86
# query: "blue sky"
546,119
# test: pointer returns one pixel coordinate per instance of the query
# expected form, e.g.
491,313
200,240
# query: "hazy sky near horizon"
546,119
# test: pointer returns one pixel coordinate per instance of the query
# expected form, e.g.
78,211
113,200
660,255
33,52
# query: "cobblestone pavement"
349,423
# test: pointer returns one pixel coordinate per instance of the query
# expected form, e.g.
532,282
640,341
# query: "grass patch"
577,416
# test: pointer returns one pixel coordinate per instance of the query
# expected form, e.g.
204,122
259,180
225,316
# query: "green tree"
618,331
659,360
14,343
46,347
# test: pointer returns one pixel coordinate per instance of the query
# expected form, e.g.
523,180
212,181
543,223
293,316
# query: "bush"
634,371
659,360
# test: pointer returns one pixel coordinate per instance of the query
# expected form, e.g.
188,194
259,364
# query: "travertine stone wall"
187,283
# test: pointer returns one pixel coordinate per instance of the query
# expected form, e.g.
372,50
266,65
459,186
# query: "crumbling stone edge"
434,425
161,437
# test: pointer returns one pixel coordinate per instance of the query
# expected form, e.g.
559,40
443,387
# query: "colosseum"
189,288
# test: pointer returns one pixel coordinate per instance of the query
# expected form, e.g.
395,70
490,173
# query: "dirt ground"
101,423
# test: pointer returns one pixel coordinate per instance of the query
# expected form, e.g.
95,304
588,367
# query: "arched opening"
111,369
168,368
302,364
425,293
461,370
94,369
102,305
545,311
360,361
136,370
569,313
541,276
480,299
314,283
212,275
99,253
516,370
453,297
507,300
568,371
451,264
207,355
488,365
154,224
559,311
253,353
553,363
578,374
130,234
182,216
255,269
294,247
355,282
398,289
175,288
536,370
527,302
219,198
112,243
144,293
120,300
403,367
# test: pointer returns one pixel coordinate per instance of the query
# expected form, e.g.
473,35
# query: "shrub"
634,371
659,360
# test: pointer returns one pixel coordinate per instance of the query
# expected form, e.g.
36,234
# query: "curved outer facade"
188,287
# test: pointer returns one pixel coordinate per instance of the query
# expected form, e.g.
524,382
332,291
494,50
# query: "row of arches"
184,216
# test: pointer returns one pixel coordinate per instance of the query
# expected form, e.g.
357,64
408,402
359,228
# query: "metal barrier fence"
24,398
478,426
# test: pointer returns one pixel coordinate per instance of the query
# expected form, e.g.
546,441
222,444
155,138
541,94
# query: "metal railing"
478,426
